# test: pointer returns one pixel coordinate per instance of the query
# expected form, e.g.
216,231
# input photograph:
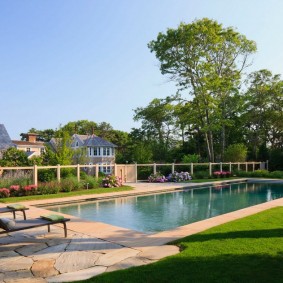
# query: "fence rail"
129,172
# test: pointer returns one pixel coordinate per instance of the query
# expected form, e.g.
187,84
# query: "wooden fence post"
253,166
136,172
220,166
115,169
78,172
246,166
58,173
192,168
154,168
173,168
230,167
35,175
96,171
210,169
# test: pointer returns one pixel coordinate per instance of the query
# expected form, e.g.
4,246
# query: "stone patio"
92,248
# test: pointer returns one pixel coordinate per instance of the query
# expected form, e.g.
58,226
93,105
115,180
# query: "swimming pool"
165,211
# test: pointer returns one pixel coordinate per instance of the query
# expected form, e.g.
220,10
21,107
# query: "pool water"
160,212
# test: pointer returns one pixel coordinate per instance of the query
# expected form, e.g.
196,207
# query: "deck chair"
19,225
14,210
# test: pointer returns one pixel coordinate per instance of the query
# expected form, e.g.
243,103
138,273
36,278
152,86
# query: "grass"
66,194
246,250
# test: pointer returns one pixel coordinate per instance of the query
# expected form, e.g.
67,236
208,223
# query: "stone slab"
52,252
129,262
158,252
31,249
78,275
12,276
44,268
9,254
21,263
116,256
27,280
89,243
75,260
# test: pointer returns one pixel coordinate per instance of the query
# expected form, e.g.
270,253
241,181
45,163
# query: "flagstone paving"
92,248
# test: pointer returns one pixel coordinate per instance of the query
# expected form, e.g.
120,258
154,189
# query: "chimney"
31,137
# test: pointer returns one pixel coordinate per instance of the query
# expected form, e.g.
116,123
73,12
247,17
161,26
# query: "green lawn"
245,250
67,194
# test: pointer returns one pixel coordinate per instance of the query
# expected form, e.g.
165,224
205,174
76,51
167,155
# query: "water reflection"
165,211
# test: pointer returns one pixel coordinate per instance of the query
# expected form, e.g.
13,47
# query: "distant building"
5,140
31,146
93,150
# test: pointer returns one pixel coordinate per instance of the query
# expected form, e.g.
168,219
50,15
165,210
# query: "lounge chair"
14,210
19,225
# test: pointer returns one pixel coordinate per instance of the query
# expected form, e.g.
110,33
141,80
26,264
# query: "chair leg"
65,229
24,213
14,214
48,228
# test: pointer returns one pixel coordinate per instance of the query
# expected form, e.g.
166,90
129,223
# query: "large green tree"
263,114
205,59
158,123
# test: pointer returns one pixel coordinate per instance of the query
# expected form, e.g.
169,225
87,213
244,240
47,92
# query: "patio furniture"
19,225
14,210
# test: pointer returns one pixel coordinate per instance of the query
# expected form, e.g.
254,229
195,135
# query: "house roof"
97,141
5,140
27,143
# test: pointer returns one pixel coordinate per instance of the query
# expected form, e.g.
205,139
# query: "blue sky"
70,60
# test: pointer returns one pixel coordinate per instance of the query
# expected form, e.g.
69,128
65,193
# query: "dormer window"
77,143
28,149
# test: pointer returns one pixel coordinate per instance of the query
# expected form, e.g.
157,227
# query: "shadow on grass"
225,268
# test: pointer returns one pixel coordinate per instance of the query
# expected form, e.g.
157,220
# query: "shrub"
191,158
52,187
15,190
201,175
111,181
276,174
67,185
222,174
179,177
236,153
157,178
90,182
46,175
144,172
4,193
29,190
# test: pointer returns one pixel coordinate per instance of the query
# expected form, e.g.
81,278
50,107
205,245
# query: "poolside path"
92,248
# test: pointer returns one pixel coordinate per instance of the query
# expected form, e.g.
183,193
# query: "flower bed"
157,178
179,177
222,174
111,181
16,190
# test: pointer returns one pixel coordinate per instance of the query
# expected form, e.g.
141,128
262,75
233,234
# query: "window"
77,143
42,150
105,169
28,149
106,151
95,151
89,151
